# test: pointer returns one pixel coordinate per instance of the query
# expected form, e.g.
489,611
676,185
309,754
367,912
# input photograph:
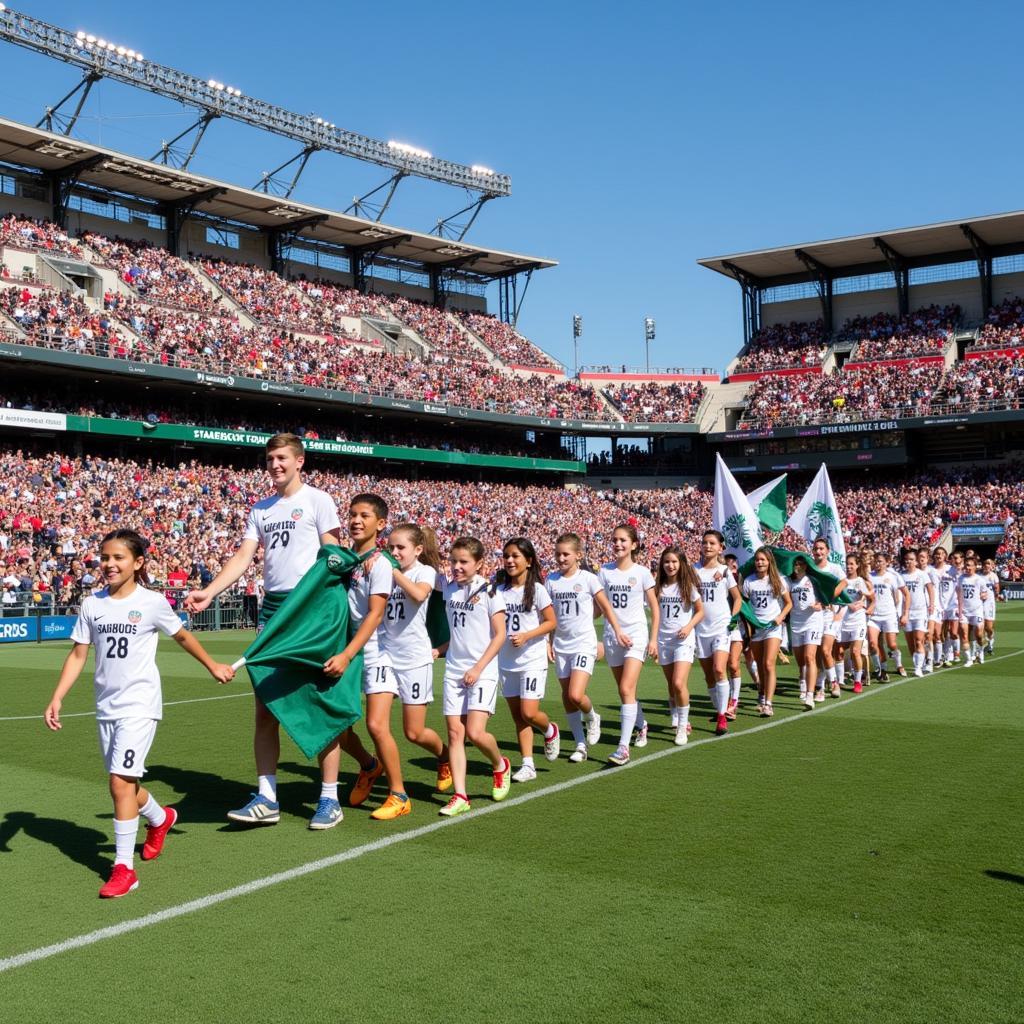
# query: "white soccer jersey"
365,584
804,616
715,584
675,613
403,633
970,589
469,607
887,586
762,598
533,655
289,529
856,619
916,582
626,590
991,582
573,600
125,632
948,577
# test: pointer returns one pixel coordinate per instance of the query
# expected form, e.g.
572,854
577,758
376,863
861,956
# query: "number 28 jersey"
125,632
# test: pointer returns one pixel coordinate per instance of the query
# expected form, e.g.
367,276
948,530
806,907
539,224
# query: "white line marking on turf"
92,714
247,888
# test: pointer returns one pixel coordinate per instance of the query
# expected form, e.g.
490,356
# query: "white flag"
732,515
817,517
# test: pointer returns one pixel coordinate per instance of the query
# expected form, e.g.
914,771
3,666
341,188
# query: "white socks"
575,720
328,791
683,716
840,672
267,786
628,721
721,697
124,841
153,813
734,687
897,655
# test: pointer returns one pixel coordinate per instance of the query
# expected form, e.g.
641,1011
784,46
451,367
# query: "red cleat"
858,687
156,834
722,727
122,881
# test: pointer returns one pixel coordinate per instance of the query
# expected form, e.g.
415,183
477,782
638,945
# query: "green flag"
824,582
286,660
769,502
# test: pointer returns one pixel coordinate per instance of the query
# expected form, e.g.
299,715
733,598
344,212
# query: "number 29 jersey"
125,632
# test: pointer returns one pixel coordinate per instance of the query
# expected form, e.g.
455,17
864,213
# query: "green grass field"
861,862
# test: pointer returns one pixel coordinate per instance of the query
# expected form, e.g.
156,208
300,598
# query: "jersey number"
281,539
620,600
567,607
458,620
513,623
396,611
117,647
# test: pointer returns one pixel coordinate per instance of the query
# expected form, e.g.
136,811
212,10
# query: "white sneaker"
527,773
968,663
579,754
680,740
641,737
808,701
919,672
553,745
929,667
803,693
594,729
981,657
819,696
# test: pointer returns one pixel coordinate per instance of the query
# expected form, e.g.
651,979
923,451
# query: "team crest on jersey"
134,616
577,587
296,514
475,599
632,581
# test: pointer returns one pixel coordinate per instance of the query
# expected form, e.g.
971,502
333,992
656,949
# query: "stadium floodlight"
404,147
577,333
648,338
480,169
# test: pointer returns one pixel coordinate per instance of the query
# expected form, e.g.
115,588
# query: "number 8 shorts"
125,743
415,685
460,700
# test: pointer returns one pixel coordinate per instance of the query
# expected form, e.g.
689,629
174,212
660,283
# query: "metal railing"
648,371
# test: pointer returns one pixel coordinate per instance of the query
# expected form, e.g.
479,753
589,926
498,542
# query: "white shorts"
676,650
708,646
460,700
526,685
886,625
616,655
936,616
950,615
125,743
415,685
833,628
807,637
379,678
988,609
735,636
917,623
769,633
851,634
580,661
974,619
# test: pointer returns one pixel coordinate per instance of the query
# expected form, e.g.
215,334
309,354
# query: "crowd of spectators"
440,331
785,346
505,341
1003,327
37,236
656,401
984,381
886,336
51,315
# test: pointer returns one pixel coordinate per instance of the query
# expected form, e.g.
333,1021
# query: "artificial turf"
862,864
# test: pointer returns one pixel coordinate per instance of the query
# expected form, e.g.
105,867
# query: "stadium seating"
1003,327
924,332
656,401
505,341
785,346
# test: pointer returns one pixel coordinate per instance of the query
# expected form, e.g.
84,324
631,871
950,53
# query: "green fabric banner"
286,661
824,582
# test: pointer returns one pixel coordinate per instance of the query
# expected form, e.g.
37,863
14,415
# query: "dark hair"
375,501
136,544
533,576
688,581
717,534
803,559
471,545
630,531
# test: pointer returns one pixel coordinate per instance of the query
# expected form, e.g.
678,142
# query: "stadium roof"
106,169
952,241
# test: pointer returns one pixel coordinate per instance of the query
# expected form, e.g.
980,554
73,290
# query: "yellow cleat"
393,807
444,777
364,783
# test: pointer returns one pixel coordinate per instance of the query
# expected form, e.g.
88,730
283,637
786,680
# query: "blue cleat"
328,814
258,811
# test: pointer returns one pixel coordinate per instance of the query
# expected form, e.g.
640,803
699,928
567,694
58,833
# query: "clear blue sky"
639,137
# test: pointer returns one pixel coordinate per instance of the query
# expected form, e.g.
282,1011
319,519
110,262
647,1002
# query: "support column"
983,255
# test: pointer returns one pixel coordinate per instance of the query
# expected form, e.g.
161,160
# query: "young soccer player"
922,600
405,641
989,611
854,628
678,591
721,599
522,660
739,652
576,596
945,591
831,615
933,641
956,624
123,622
972,593
771,602
628,586
290,526
884,622
476,619
806,622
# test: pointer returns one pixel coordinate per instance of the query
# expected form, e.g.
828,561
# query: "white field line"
92,714
257,884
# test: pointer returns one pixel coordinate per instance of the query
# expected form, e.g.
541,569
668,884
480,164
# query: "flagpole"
236,665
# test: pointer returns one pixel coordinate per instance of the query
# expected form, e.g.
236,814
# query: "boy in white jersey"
989,611
884,623
972,592
123,622
290,526
922,601
722,600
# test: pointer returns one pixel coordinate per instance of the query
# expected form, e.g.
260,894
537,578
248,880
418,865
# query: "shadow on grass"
1004,876
82,845
204,797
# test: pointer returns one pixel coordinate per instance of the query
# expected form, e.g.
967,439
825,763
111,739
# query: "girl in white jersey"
855,621
576,596
945,592
406,642
123,621
523,658
922,600
739,652
771,602
884,622
956,624
476,619
989,611
933,640
972,592
678,592
832,615
629,586
722,601
806,622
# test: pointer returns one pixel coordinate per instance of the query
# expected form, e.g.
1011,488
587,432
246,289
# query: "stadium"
159,326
